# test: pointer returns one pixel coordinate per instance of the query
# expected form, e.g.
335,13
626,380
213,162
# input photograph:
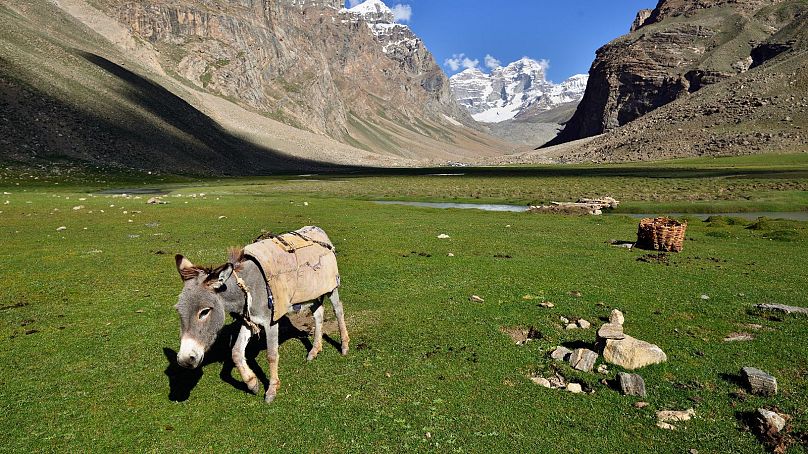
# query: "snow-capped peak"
373,11
509,90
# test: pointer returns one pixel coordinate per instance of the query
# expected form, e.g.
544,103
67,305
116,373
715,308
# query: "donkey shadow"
182,381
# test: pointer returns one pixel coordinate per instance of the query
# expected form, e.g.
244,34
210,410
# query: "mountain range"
517,90
241,87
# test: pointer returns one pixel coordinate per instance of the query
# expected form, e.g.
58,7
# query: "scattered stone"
59,229
617,317
476,299
156,201
666,417
564,320
547,304
630,353
631,384
782,308
611,331
574,388
628,246
576,294
560,353
541,381
583,359
603,369
78,207
759,382
557,382
739,337
641,404
443,236
571,326
705,297
222,217
139,311
583,324
772,421
450,254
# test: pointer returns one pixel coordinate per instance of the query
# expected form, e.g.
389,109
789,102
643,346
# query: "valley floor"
87,328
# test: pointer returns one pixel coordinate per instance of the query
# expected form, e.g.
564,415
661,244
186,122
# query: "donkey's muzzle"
190,354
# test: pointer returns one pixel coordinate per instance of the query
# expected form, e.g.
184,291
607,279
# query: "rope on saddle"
328,246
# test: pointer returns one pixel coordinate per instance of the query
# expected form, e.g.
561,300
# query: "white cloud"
461,61
545,64
491,62
402,13
352,3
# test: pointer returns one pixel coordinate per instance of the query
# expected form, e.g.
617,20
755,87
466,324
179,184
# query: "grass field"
87,325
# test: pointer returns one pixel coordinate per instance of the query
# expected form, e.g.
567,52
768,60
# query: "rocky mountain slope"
518,90
237,87
353,75
681,47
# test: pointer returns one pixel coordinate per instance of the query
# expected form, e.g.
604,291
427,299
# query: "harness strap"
245,315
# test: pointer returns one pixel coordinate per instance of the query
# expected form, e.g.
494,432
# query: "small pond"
752,215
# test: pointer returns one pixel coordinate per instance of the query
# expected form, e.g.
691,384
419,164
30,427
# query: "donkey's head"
201,308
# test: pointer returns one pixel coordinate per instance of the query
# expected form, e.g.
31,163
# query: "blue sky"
566,33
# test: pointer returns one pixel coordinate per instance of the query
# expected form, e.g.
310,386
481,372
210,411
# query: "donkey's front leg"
240,360
272,357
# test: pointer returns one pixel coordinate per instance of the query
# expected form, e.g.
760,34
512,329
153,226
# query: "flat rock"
583,324
571,326
574,388
631,384
560,353
541,381
739,337
616,317
630,353
782,308
759,382
641,404
772,421
611,331
675,415
583,359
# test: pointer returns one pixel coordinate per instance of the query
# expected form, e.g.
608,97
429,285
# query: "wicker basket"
661,234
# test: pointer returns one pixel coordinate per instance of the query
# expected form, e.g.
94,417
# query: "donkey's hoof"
253,386
268,398
344,350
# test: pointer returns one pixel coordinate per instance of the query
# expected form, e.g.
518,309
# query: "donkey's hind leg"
317,310
239,359
273,357
343,331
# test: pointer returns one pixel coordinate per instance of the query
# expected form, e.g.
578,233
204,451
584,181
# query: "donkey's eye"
204,313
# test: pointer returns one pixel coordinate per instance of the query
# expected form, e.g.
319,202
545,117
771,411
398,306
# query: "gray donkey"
259,285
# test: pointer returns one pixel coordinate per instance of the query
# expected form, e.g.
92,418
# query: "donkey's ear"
219,276
186,269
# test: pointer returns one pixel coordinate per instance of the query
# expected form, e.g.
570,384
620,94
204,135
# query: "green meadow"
88,329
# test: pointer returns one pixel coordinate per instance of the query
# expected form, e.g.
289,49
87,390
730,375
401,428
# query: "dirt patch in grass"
521,335
660,258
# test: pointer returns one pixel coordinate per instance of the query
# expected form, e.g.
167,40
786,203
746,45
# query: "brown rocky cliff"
679,48
304,64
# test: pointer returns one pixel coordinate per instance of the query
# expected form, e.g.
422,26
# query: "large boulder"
630,353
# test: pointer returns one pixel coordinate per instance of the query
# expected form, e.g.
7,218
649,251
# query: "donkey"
259,285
